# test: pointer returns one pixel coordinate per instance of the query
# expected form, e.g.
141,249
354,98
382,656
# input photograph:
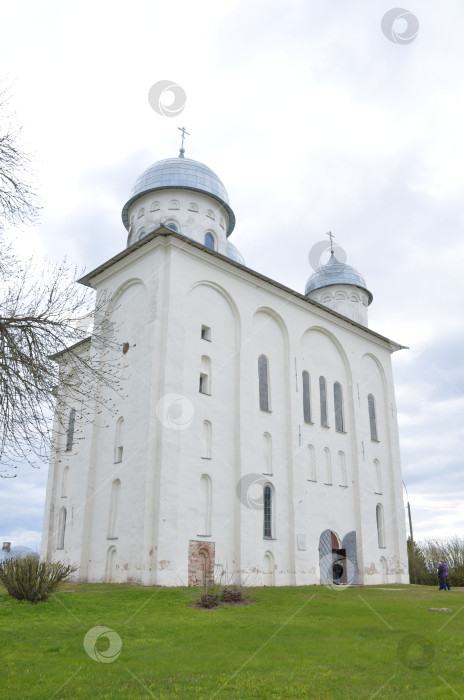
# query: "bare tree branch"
50,334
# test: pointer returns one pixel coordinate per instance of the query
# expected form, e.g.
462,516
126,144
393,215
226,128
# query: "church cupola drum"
340,287
183,195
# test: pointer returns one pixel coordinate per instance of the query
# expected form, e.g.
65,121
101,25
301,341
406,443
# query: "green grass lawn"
291,643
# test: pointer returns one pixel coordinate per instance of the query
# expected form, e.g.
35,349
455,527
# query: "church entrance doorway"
339,566
332,560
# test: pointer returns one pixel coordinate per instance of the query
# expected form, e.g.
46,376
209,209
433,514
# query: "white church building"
255,438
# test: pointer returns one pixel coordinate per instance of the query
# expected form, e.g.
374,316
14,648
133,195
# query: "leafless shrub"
28,579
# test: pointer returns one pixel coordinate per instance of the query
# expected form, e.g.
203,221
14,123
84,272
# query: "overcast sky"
314,120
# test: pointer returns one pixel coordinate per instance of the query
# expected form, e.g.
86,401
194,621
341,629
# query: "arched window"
113,516
207,440
140,213
210,214
141,235
372,418
172,225
205,376
205,507
328,467
209,241
338,403
263,377
110,568
154,206
312,463
267,524
377,476
70,431
268,569
267,450
192,207
323,400
342,461
64,483
118,440
173,204
384,567
306,398
380,525
61,529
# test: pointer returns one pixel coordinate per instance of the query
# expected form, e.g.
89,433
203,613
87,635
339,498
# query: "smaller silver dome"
234,254
335,272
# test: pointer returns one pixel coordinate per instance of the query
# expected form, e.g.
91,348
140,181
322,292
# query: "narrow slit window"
267,497
328,467
70,431
342,461
118,441
372,417
338,403
312,463
380,526
207,440
64,483
263,376
205,376
323,400
61,529
114,505
306,398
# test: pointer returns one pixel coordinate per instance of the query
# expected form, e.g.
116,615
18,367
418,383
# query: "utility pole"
411,537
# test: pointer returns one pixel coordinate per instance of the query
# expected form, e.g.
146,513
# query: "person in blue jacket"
446,575
441,571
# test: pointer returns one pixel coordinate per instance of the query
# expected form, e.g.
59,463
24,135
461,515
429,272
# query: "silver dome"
234,254
183,173
335,272
18,552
